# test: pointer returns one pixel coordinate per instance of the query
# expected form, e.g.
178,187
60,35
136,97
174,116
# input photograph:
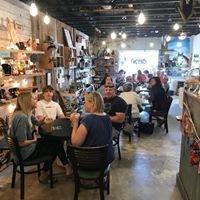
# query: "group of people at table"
94,129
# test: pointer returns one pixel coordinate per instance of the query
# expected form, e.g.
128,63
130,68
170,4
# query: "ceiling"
94,18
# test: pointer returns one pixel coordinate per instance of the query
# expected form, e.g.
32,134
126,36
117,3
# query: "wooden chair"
161,117
19,164
89,164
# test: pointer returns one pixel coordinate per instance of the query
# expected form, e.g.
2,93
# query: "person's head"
121,72
106,80
94,103
48,93
129,79
109,90
139,72
26,101
158,73
146,72
155,81
127,87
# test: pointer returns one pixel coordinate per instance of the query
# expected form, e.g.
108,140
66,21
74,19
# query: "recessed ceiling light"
130,5
156,31
107,7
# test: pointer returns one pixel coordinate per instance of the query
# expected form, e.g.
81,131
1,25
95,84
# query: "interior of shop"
78,54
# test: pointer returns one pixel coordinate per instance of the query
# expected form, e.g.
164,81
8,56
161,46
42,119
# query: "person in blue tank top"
95,128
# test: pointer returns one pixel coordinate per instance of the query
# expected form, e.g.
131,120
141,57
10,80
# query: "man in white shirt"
46,108
132,98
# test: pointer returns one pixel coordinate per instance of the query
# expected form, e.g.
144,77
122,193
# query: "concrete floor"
147,171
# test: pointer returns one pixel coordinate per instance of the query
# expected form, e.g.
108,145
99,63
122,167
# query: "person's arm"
60,113
79,133
20,128
27,142
118,118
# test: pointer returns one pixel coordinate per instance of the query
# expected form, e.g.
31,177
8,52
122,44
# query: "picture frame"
68,38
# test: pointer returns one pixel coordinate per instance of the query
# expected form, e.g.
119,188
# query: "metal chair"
89,164
116,140
162,117
132,122
18,162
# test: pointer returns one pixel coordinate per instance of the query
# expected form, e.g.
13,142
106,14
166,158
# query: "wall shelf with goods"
19,71
188,179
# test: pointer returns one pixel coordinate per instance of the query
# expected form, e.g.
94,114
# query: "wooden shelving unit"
24,75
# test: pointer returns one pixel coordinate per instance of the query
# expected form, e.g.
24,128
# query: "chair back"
13,146
128,113
169,99
88,158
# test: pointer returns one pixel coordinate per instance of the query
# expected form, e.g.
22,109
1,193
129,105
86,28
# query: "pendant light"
124,36
168,38
33,9
176,27
46,19
113,35
141,18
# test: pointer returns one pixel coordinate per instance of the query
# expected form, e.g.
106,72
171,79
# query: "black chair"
89,164
4,150
19,164
116,140
162,118
131,123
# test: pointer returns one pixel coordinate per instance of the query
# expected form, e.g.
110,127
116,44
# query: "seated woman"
95,129
158,96
30,146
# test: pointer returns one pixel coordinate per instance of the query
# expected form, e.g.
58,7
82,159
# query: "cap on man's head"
47,89
110,85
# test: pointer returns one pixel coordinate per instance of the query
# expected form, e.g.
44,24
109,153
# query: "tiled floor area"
147,171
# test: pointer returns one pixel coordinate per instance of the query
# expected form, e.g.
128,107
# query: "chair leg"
51,176
108,183
101,189
13,175
129,137
166,125
22,184
118,148
77,189
39,172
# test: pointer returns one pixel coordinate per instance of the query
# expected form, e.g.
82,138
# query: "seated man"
117,106
46,108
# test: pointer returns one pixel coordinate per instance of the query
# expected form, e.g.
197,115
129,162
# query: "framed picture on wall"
48,78
68,38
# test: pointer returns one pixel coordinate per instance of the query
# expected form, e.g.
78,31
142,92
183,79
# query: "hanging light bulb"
141,18
108,50
176,27
182,36
168,38
151,44
103,43
123,45
33,10
46,19
113,35
124,36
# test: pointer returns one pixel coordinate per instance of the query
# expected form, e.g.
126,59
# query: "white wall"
136,44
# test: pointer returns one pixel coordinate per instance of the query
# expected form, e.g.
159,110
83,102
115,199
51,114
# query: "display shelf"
21,51
23,75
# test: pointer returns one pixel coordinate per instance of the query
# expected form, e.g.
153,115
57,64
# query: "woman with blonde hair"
30,146
95,128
